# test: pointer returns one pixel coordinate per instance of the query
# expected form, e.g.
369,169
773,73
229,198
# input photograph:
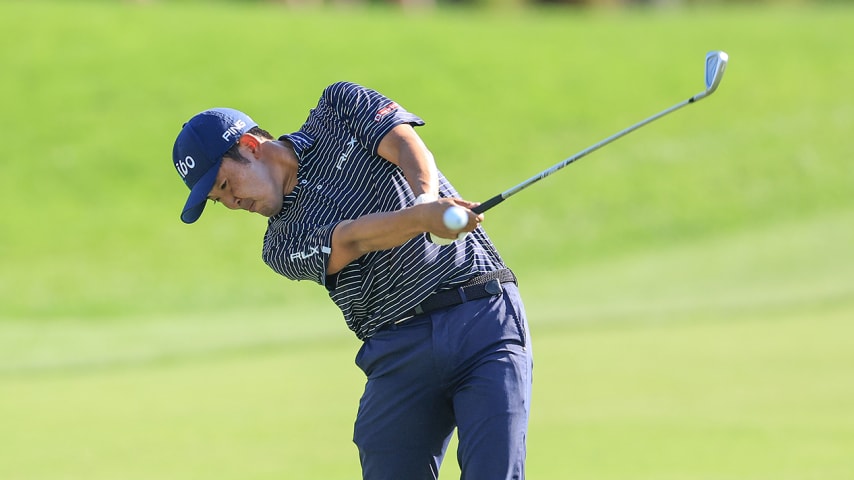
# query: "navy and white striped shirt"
341,177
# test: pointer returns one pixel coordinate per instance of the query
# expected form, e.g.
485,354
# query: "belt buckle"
493,287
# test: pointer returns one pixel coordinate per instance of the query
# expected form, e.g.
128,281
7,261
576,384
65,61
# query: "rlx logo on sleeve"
312,251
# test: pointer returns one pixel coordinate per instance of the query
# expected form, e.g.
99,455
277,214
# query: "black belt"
486,285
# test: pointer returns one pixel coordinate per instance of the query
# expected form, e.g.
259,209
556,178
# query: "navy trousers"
468,367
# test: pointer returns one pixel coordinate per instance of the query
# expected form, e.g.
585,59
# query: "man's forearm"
377,231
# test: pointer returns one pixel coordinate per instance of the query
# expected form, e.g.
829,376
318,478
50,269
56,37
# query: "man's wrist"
425,198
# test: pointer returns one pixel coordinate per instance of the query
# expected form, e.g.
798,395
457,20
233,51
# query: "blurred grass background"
690,288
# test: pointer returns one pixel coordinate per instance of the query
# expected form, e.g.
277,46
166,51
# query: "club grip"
488,204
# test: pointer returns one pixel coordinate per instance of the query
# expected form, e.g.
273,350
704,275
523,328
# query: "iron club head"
715,66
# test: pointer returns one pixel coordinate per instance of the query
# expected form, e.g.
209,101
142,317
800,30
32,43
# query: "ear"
250,142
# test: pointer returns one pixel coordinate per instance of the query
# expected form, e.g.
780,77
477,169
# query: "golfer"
355,203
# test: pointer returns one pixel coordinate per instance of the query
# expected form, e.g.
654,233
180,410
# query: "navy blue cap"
198,151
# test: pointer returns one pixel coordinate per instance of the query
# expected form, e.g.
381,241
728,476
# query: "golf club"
715,65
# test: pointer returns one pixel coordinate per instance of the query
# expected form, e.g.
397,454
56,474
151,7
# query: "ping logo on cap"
236,129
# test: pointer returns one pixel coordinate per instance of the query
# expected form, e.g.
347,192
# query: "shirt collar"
301,141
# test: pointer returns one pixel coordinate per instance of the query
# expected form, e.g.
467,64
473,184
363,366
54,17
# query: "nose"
232,203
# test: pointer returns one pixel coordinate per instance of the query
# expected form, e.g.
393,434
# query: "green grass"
504,97
689,288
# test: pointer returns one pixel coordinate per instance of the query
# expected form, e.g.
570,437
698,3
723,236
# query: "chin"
268,211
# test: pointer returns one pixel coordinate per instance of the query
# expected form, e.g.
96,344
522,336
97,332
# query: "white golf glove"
426,198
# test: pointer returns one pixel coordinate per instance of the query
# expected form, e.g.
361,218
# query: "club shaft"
545,173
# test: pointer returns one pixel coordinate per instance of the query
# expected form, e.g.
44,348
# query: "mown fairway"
690,288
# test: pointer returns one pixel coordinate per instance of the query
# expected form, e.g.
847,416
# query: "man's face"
247,185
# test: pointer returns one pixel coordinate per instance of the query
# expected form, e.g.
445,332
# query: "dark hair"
234,152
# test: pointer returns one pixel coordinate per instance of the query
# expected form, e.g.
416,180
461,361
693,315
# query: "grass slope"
690,288
102,89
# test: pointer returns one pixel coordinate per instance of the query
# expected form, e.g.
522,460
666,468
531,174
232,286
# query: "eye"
221,187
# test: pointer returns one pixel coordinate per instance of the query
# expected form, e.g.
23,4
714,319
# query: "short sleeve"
299,253
368,114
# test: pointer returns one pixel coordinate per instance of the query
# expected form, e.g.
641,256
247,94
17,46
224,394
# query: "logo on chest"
345,155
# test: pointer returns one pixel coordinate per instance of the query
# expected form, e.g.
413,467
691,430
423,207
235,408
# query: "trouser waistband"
481,286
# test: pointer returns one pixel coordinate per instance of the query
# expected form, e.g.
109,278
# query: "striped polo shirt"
341,177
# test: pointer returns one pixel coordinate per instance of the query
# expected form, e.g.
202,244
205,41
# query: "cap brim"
199,195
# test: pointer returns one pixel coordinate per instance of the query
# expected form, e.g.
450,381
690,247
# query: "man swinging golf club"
355,204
